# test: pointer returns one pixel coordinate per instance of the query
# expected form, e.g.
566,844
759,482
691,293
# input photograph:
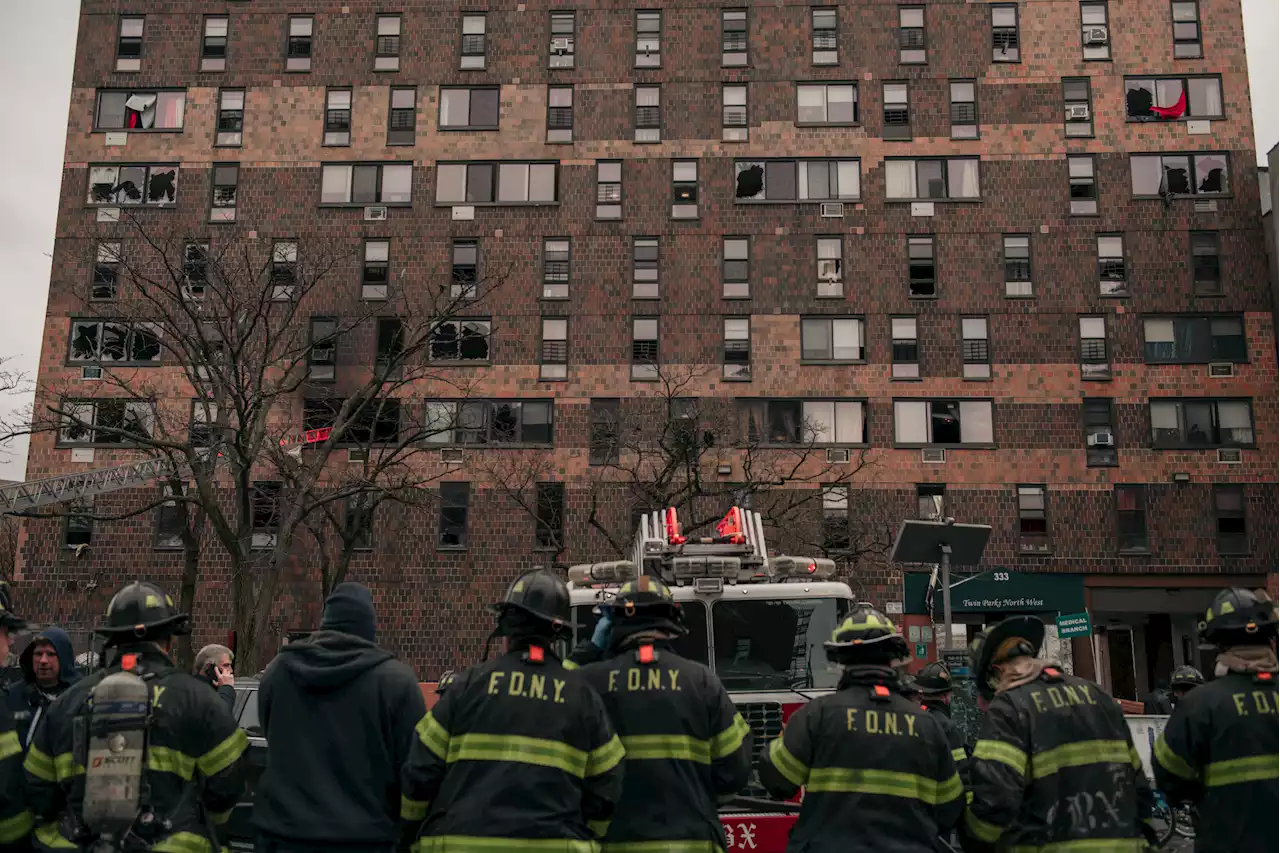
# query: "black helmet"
646,603
909,685
1186,676
1017,636
445,682
536,603
142,611
1239,617
866,636
934,678
9,619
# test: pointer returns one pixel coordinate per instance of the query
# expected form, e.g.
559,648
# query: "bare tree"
281,380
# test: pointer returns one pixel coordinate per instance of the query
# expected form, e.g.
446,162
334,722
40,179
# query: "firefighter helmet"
537,602
934,679
142,611
909,686
9,619
445,682
1186,676
1239,617
866,636
1017,636
646,603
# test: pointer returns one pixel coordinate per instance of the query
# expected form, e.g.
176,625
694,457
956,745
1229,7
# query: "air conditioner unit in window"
1096,35
561,45
1230,456
1101,439
377,213
837,456
1206,205
1222,368
1034,546
1077,112
451,455
832,210
933,455
91,372
357,454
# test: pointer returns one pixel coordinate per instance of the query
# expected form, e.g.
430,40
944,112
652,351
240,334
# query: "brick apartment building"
1012,249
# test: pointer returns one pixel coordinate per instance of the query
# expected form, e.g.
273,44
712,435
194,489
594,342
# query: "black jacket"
1055,764
195,758
338,713
686,745
955,737
517,749
1219,751
27,699
15,819
1158,701
876,768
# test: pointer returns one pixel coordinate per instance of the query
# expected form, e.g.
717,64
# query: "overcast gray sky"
35,72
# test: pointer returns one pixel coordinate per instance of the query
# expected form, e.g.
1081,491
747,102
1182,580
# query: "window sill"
553,379
1184,448
977,379
466,129
361,205
401,144
906,378
547,549
1199,363
924,297
335,144
1184,196
1182,119
1115,464
1124,295
82,445
1208,295
797,446
454,549
973,200
460,363
167,549
439,203
828,124
764,201
132,130
830,362
553,298
122,207
111,365
735,378
898,446
1230,554
1133,552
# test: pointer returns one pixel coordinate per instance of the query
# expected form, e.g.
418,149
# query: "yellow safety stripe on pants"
1079,754
519,749
165,760
1171,761
604,758
9,745
219,818
958,754
599,827
183,842
890,783
1088,845
433,736
478,844
224,754
413,809
40,765
730,740
1005,753
792,768
1134,758
679,747
15,828
66,767
662,847
48,835
980,829
1255,768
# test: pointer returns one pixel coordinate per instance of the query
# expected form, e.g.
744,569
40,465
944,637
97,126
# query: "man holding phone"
214,665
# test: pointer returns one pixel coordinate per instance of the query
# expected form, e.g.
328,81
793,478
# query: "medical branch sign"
1074,625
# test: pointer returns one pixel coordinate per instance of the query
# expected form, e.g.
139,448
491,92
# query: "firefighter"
876,767
1054,766
1219,748
519,751
686,743
15,819
86,779
1183,681
934,681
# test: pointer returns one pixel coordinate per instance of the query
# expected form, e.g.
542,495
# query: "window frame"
725,280
919,239
130,330
938,510
366,264
299,63
1197,284
738,131
1029,280
986,360
1017,33
549,532
116,440
819,260
543,360
1068,102
199,260
210,63
569,59
906,134
1208,320
929,403
317,344
495,183
134,91
735,371
946,180
814,50
331,124
1100,457
123,61
637,126
976,124
747,406
1077,180
463,55
106,270
79,519
1106,15
392,110
1122,290
1031,542
656,282
903,47
796,162
1185,80
544,272
351,184
604,448
831,320
461,322
910,366
461,289
459,498
636,63
469,126
144,201
745,52
646,371
600,183
1198,41
567,138
1245,545
1140,491
826,86
392,63
456,435
231,115
1100,373
680,204
1192,175
168,529
1214,401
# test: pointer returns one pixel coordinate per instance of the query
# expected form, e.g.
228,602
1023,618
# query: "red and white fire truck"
758,621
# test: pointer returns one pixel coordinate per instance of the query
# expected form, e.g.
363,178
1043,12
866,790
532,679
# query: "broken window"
648,39
322,357
737,348
555,268
455,499
504,422
648,127
897,112
230,130
109,342
1033,523
1077,99
1004,34
644,268
1170,98
213,48
1082,186
337,117
78,528
835,518
835,339
169,518
550,515
684,189
808,422
559,114
1111,266
953,178
1186,30
554,363
472,50
361,184
827,103
298,51
460,340
402,123
469,108
826,36
733,37
195,270
562,39
1229,519
376,422
737,267
375,273
1206,263
922,272
106,271
284,269
358,512
604,417
912,46
644,348
1165,176
905,348
264,511
964,109
608,189
129,44
138,110
466,266
797,180
106,422
387,44
113,185
733,120
226,184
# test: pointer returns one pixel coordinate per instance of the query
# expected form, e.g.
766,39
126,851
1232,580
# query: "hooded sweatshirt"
339,715
28,699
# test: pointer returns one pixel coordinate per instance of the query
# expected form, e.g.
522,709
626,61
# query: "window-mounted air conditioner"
837,456
451,455
561,45
1230,456
1101,439
357,454
376,213
933,455
1222,368
1078,112
90,372
1096,35
832,210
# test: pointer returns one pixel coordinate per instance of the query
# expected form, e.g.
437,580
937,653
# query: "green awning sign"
1074,625
998,591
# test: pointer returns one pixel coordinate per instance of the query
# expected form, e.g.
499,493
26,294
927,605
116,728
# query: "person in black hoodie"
48,668
339,715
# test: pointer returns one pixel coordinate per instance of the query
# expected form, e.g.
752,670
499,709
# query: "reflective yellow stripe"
980,829
887,782
9,745
224,754
958,754
475,844
678,747
173,761
599,827
1256,768
433,736
663,847
413,809
66,767
48,835
40,765
15,828
602,759
1134,758
1005,753
968,797
1171,761
519,749
219,818
792,768
568,664
183,842
730,740
1079,754
1088,845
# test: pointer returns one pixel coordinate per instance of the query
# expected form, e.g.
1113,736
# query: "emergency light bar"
591,574
805,568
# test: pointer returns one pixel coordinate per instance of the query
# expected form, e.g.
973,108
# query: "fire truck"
758,621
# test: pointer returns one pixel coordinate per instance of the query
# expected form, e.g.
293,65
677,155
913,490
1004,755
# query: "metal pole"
946,598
